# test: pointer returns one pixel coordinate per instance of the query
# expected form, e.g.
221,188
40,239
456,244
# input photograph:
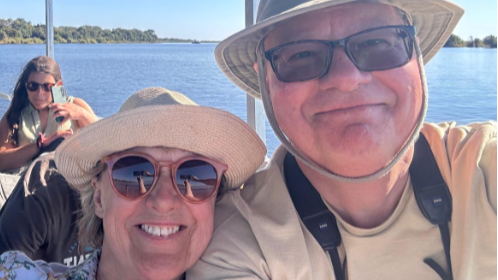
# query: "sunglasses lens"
196,179
380,49
32,86
375,50
301,61
133,176
47,87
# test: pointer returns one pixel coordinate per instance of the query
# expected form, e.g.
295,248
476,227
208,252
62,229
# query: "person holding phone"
29,126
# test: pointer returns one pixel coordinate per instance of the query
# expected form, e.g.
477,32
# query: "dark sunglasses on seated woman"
33,86
133,175
374,49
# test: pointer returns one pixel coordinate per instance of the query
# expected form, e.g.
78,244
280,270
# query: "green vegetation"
20,31
488,42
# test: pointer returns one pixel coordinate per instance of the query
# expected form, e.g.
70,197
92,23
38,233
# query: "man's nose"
343,74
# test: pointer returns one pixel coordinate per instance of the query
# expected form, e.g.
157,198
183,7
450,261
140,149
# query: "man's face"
349,121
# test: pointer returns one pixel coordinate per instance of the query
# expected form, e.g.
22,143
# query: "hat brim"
209,132
434,21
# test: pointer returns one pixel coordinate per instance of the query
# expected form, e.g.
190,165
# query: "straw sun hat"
434,21
159,117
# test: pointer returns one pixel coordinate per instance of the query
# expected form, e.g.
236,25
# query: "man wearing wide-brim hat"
344,88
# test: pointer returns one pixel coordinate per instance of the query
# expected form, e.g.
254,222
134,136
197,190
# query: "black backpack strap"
313,212
433,198
432,195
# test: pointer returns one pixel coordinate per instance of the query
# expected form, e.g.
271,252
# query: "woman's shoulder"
16,265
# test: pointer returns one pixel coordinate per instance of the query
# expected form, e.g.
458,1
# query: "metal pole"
256,116
49,22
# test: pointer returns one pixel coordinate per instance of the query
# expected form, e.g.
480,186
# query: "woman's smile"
163,231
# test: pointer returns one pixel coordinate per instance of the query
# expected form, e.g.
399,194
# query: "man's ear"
97,198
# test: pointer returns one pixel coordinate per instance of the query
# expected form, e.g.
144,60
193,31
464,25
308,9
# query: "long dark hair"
40,64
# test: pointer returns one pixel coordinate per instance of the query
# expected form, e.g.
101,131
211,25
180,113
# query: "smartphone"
59,96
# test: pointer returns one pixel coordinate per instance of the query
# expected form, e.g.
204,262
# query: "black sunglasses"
134,175
374,49
33,86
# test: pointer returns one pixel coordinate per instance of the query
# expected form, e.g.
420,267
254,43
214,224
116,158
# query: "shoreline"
208,42
113,43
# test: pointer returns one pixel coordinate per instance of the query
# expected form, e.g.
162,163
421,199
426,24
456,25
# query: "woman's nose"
40,90
164,198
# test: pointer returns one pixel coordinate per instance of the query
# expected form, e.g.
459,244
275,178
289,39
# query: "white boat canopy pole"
255,111
49,23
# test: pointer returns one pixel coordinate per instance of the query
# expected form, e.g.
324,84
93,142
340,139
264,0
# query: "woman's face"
129,251
40,98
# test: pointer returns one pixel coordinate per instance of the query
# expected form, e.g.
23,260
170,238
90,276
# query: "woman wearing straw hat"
344,89
131,171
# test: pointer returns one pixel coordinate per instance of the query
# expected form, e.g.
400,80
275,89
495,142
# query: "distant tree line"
20,31
488,42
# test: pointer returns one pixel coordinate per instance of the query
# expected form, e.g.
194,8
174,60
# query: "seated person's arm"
78,111
11,156
88,116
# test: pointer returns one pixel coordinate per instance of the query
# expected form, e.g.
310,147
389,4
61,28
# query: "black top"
41,219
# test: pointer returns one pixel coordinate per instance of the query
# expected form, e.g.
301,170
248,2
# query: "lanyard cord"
445,236
336,263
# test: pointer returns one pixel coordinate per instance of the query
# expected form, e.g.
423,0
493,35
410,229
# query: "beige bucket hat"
434,21
159,117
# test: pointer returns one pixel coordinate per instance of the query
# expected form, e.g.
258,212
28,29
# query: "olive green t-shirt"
30,125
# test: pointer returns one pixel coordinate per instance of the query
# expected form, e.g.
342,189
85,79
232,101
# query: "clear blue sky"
194,19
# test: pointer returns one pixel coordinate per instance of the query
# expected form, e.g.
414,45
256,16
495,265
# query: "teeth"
160,231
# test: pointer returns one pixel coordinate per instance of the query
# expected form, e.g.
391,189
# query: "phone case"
58,96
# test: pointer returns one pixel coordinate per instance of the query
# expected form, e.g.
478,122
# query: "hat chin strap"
287,144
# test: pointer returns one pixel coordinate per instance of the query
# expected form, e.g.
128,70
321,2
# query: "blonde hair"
90,226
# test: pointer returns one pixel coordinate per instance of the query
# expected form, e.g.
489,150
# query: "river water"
462,82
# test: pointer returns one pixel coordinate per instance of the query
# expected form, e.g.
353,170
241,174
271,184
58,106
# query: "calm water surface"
462,82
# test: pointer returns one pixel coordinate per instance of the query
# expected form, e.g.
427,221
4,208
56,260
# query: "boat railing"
5,96
7,184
